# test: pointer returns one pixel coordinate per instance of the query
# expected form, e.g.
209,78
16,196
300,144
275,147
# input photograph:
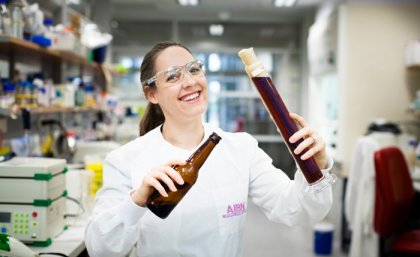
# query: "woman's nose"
188,80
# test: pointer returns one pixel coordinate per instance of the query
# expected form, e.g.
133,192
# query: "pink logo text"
234,210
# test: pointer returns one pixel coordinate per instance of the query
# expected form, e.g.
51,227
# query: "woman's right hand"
154,179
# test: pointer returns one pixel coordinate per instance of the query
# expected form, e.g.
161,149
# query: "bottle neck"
256,69
198,158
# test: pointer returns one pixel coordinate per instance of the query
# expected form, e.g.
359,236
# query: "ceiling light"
127,62
284,3
279,3
73,2
214,62
214,86
188,2
216,29
290,3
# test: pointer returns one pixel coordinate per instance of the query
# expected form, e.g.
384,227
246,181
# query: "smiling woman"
210,218
175,72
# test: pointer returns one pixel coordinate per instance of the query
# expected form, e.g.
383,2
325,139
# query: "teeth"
190,97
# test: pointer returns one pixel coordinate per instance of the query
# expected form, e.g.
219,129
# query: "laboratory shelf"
42,110
25,51
46,110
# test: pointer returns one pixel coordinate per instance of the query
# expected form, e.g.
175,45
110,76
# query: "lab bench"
70,242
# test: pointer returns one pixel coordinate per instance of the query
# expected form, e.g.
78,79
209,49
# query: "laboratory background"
70,93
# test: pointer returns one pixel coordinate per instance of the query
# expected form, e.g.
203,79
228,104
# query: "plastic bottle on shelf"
42,94
89,96
5,22
50,91
80,94
8,97
58,95
50,31
17,22
69,95
10,94
43,97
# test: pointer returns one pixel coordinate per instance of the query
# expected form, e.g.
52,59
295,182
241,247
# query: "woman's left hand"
311,141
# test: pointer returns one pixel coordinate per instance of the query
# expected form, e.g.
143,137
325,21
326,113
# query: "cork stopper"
253,66
248,56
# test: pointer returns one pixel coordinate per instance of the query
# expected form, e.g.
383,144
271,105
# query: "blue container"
323,238
99,54
41,40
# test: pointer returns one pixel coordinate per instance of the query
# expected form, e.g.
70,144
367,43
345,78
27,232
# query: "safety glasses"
175,75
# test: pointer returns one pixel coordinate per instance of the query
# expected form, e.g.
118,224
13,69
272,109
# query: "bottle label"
257,71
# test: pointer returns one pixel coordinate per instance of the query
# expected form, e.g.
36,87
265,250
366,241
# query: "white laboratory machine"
32,199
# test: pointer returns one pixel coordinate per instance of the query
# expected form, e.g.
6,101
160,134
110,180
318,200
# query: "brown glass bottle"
163,206
279,113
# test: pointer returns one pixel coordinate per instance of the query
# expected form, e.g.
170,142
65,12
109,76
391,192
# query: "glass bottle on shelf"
5,23
17,18
20,94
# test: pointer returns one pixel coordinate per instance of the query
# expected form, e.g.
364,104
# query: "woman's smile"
191,97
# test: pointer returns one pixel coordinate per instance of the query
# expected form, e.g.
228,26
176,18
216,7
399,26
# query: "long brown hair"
153,115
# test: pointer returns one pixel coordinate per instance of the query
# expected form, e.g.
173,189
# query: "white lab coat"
359,200
206,222
360,194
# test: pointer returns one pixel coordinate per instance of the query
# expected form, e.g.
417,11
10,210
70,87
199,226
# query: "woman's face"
181,93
